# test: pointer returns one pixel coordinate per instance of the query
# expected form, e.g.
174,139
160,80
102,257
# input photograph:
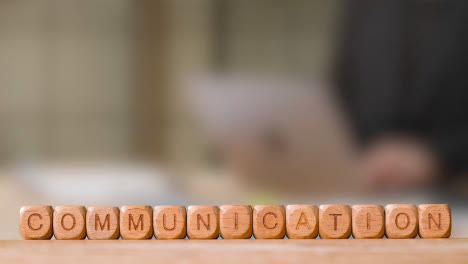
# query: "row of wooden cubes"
236,222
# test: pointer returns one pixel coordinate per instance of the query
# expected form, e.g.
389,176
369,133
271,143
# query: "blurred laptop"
275,134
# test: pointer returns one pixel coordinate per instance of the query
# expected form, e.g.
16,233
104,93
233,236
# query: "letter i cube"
236,221
368,221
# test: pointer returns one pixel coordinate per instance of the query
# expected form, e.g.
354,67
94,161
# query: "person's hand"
395,163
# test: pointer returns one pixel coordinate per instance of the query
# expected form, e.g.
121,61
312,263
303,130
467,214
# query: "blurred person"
401,76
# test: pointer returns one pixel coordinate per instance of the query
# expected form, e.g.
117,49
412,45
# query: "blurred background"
119,102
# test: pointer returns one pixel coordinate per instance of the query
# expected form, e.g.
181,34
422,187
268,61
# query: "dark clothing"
403,67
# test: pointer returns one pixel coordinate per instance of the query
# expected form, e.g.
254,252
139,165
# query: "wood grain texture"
302,221
136,222
102,222
170,222
368,221
69,222
269,221
35,222
202,222
435,220
334,221
235,221
317,251
401,221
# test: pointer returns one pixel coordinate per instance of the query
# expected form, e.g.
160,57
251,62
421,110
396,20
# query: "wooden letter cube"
236,221
368,221
269,221
335,221
102,223
401,221
170,222
435,221
203,222
302,221
70,222
36,222
136,222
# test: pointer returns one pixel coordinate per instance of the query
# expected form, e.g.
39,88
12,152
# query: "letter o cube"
401,221
70,222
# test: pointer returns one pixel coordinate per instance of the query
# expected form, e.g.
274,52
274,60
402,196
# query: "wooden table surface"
237,251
